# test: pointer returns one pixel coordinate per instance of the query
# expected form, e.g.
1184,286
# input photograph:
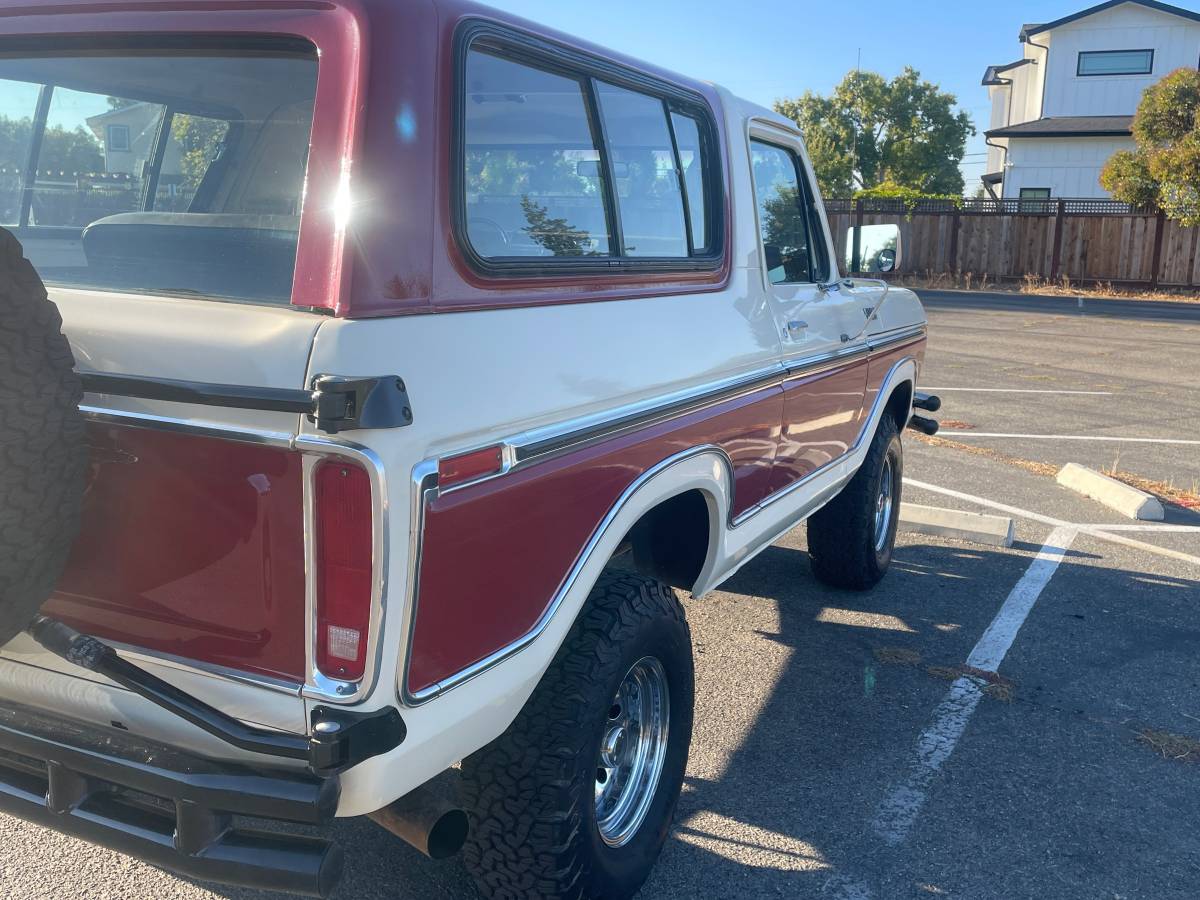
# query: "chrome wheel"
632,751
883,504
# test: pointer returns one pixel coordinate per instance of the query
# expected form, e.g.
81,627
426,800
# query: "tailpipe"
923,425
429,817
927,402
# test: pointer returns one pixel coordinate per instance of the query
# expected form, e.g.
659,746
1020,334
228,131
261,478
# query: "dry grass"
897,656
995,685
1028,465
1035,284
1187,498
1171,746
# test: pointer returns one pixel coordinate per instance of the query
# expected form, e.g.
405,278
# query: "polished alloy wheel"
883,504
632,751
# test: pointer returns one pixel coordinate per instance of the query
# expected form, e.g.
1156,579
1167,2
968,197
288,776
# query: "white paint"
1070,437
1104,533
995,531
1164,529
901,806
1070,167
943,390
1116,495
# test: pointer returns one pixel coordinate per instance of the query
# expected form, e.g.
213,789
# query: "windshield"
173,173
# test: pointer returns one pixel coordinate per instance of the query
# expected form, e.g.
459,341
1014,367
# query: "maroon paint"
482,587
191,546
881,363
823,415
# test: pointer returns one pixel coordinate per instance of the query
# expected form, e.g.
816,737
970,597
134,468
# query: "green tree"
1165,166
69,150
199,140
557,235
871,130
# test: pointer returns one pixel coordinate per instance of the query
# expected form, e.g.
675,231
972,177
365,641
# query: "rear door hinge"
342,403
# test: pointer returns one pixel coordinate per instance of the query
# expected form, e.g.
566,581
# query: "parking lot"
841,748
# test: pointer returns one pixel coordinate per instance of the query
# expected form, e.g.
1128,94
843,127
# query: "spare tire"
42,451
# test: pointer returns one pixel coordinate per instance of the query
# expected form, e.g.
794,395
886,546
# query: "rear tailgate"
192,541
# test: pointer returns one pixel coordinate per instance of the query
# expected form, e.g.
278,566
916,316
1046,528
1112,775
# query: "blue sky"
765,49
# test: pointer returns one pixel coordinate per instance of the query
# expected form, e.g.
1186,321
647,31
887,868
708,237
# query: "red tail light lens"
469,466
344,557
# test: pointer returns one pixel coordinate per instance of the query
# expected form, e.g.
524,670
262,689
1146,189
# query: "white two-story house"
1062,109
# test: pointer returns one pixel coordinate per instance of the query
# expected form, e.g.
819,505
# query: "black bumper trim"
169,808
340,739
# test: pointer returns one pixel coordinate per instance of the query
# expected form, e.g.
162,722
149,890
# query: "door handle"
796,328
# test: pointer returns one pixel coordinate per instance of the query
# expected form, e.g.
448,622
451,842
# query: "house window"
1115,62
1035,193
117,138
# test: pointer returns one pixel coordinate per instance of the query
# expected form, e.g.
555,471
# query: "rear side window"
561,169
179,172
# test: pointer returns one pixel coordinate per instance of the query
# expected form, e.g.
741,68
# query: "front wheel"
576,798
851,538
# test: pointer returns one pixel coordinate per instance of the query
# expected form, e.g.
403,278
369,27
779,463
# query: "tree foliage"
1165,166
871,130
69,150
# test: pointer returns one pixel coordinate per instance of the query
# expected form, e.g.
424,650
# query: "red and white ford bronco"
417,355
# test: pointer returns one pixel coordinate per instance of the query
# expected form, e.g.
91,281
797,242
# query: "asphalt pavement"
841,750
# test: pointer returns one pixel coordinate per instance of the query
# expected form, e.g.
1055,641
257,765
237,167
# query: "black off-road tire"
531,793
42,451
841,535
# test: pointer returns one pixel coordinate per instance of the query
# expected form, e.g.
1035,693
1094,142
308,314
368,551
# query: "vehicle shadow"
809,700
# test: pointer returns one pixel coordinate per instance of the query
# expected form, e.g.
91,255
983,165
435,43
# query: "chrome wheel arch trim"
721,522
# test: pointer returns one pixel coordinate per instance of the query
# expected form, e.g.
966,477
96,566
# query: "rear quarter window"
175,173
564,166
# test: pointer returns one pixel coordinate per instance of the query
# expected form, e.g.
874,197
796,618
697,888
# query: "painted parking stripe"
900,808
969,390
1104,532
1069,437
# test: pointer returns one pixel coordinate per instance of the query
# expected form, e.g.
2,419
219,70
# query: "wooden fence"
1083,240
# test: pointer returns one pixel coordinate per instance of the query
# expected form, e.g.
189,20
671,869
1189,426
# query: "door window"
786,217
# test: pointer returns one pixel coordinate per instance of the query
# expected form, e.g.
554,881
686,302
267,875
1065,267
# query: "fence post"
955,224
1056,259
856,252
1160,227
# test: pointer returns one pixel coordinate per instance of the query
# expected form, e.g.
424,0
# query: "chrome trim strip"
208,670
853,448
107,416
319,686
883,339
416,698
313,448
425,488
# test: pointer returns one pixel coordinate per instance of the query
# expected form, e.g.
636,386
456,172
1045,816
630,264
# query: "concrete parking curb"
995,531
1116,495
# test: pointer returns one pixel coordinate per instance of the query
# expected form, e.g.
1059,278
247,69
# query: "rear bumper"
169,808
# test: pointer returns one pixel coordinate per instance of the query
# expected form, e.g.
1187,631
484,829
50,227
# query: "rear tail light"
344,568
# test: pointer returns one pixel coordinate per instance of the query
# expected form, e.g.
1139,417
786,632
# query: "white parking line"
899,809
943,390
1069,437
1104,532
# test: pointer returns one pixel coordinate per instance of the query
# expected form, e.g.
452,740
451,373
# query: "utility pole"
857,114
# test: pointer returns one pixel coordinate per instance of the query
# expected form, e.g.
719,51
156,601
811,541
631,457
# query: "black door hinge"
342,403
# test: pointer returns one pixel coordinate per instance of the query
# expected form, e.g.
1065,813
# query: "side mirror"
878,248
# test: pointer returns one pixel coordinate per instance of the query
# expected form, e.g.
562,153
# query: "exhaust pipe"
429,817
923,425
